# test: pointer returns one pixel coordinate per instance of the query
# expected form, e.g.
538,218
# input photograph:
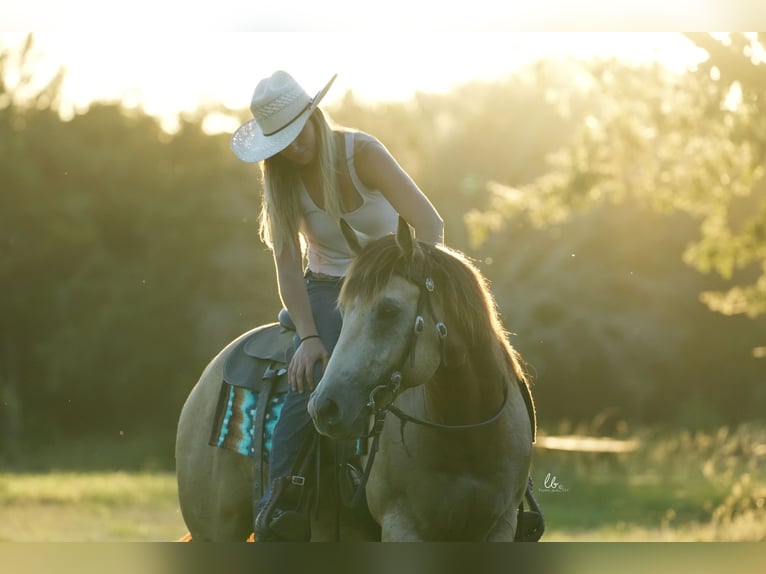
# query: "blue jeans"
294,425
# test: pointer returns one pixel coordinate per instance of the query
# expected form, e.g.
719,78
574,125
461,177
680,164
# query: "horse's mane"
462,289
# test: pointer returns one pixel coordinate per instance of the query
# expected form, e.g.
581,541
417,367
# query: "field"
674,485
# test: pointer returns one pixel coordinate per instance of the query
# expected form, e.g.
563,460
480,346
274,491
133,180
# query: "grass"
94,489
678,485
89,507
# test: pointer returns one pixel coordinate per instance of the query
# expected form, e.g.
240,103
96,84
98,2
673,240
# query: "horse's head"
393,335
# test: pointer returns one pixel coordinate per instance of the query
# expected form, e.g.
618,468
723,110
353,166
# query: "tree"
693,142
663,166
128,258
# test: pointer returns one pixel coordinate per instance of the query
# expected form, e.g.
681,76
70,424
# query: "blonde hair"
279,221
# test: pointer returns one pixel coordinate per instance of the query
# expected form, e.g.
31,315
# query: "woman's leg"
295,425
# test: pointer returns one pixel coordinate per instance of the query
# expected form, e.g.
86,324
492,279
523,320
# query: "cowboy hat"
280,107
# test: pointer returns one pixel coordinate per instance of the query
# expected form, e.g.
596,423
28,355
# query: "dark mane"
461,288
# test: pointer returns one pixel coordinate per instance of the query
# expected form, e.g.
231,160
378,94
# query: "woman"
314,173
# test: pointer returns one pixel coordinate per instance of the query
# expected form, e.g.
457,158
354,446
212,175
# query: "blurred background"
610,186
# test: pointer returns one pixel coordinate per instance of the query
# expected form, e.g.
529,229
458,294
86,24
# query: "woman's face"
303,148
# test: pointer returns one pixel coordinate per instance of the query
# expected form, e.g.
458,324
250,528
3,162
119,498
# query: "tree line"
129,256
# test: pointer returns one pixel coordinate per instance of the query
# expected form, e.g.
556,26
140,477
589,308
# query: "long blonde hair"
279,221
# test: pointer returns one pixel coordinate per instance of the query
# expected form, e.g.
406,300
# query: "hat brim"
250,145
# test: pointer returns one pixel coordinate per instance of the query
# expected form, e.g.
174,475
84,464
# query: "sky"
413,15
172,55
170,72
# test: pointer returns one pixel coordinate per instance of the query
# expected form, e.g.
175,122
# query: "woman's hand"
300,373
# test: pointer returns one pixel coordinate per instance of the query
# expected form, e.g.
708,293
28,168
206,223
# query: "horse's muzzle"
336,419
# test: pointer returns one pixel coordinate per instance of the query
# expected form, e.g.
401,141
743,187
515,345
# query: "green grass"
678,485
93,489
89,506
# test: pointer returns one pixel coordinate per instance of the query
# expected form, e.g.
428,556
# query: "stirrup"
282,526
530,526
274,523
530,523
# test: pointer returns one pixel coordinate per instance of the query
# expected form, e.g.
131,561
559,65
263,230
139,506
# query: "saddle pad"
234,423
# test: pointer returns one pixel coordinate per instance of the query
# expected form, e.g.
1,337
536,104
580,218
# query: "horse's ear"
350,236
405,238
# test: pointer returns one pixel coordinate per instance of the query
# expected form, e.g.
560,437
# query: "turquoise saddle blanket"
253,389
235,426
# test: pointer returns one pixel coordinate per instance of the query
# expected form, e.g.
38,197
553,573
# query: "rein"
405,418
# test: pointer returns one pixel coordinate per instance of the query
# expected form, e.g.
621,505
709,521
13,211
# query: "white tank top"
328,251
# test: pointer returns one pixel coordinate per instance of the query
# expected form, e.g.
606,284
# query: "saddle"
260,358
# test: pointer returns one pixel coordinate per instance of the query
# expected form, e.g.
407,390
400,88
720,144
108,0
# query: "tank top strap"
360,187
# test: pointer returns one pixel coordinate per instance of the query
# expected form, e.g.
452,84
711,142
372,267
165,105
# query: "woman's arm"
292,291
378,169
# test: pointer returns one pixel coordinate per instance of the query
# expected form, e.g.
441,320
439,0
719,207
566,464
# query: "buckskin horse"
423,375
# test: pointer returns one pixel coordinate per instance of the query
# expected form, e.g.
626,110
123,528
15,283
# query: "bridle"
390,389
381,401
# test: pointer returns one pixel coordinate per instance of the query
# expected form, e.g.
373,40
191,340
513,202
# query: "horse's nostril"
328,412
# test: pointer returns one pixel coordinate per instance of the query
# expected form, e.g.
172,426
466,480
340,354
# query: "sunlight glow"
167,75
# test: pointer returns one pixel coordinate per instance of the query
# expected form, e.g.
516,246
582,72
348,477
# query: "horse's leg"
505,528
398,526
213,484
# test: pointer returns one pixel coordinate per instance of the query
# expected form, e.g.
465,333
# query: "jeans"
294,425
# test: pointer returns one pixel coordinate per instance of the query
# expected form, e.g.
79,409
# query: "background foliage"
619,212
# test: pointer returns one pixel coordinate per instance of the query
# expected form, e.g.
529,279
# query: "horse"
421,341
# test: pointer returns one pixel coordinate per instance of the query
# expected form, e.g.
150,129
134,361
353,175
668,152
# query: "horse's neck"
469,389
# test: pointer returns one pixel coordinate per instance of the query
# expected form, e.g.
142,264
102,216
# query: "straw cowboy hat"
280,107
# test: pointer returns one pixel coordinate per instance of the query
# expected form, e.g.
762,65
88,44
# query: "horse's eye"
387,310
